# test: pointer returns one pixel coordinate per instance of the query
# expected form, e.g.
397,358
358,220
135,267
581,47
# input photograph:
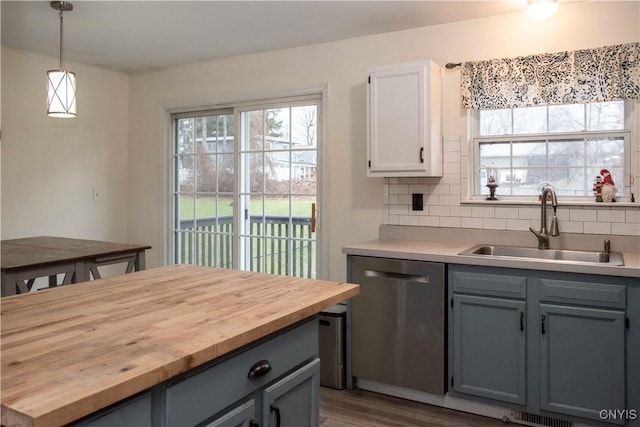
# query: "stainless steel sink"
555,255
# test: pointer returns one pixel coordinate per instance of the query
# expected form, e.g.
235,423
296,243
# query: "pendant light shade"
61,84
541,9
61,94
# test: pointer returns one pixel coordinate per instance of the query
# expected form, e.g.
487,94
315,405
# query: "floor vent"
541,420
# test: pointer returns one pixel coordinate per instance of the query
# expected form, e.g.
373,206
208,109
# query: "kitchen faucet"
543,234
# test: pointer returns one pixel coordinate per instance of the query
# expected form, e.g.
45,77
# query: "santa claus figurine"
609,189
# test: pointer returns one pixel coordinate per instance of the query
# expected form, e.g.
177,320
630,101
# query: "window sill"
531,202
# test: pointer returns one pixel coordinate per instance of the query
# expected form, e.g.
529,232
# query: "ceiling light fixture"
541,9
61,84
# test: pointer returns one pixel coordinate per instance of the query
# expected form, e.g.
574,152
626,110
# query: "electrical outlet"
416,202
97,195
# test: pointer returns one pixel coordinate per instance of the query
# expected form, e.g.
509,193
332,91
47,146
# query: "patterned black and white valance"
590,75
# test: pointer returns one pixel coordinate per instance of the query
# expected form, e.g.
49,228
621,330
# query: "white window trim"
632,158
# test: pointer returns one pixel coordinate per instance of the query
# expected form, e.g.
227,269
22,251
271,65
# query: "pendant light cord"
61,35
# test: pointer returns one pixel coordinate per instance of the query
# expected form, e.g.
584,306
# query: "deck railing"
274,244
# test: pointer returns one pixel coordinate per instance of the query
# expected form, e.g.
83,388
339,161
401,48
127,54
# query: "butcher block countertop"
73,350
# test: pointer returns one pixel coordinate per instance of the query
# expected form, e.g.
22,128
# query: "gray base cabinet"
582,368
274,382
541,342
240,416
489,348
293,401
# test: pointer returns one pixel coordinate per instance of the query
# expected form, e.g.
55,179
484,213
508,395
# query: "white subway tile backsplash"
467,222
633,215
568,227
627,229
439,210
597,227
451,168
430,221
506,213
404,199
439,189
529,213
408,220
589,215
398,209
495,223
611,216
451,145
460,211
398,189
431,200
483,212
451,157
518,224
450,221
449,200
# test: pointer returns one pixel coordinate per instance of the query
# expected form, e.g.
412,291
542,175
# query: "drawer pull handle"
522,320
277,411
259,369
543,319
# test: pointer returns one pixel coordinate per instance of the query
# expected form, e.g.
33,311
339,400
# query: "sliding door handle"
313,217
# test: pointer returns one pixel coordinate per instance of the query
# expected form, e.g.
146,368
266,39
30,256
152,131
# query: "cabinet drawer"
470,281
212,389
583,293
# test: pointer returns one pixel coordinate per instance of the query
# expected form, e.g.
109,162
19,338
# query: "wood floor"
360,408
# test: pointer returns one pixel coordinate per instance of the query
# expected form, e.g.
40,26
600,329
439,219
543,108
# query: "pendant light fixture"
541,9
61,84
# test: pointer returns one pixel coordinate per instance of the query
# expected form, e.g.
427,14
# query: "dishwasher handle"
421,278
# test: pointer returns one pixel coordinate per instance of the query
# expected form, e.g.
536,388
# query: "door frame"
166,173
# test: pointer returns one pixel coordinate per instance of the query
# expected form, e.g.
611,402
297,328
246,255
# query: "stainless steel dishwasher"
397,330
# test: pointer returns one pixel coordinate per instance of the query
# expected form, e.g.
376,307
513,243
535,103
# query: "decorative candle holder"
492,185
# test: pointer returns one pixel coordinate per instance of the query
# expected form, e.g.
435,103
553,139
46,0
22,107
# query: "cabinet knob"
259,369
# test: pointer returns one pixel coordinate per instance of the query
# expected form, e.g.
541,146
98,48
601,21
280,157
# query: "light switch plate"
97,195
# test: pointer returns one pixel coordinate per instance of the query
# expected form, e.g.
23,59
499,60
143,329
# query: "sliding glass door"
278,190
248,202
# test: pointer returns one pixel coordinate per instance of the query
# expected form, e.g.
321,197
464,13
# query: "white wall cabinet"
404,120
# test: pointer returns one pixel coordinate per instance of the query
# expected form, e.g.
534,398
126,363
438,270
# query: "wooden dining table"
24,260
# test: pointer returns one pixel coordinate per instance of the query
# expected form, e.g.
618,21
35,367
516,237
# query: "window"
245,187
564,145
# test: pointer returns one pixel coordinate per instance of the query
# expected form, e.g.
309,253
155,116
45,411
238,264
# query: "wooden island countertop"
73,350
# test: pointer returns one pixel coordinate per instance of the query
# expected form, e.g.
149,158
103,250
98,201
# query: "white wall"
49,166
355,206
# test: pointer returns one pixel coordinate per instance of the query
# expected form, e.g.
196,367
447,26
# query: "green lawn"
206,206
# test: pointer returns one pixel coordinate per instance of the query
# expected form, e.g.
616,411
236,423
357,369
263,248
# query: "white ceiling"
140,35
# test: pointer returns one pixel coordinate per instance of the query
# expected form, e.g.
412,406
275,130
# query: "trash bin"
332,346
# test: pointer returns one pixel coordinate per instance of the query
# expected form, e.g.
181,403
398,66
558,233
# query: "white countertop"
447,252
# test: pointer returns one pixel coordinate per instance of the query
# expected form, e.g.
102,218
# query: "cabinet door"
404,120
293,401
489,347
582,360
241,416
